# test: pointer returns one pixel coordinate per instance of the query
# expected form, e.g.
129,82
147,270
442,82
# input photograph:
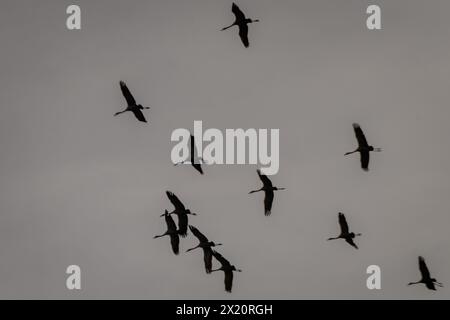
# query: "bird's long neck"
162,235
335,238
411,283
351,152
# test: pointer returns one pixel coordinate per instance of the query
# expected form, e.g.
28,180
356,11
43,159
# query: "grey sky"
79,186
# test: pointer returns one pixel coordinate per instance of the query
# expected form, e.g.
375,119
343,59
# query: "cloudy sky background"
79,186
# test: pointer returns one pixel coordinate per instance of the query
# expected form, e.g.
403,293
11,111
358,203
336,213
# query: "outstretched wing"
343,223
182,225
362,142
365,157
175,201
198,167
265,180
171,226
127,94
237,12
195,161
175,242
350,242
228,280
243,34
139,115
207,258
200,236
424,269
222,260
268,201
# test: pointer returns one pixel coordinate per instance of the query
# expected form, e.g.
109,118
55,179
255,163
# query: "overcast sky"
79,186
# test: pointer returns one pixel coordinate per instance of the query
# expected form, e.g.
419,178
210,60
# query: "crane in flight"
345,234
268,189
206,245
131,104
426,277
172,232
227,268
242,22
363,147
194,159
181,211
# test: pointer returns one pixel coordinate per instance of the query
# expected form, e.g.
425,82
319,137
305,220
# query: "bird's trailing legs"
439,284
262,189
215,245
228,27
220,269
340,237
120,112
160,236
202,161
193,248
256,191
174,211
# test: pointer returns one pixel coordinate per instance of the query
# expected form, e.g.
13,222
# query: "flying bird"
227,268
242,22
363,147
268,189
206,245
181,211
345,234
172,232
131,104
194,159
426,277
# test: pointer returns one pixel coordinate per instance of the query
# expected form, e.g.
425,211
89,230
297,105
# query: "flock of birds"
180,210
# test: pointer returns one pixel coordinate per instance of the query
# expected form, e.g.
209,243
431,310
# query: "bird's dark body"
426,279
132,106
181,212
242,22
345,233
227,268
363,147
268,189
206,246
172,232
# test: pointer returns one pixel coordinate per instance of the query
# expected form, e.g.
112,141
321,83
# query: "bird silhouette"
194,159
131,104
242,22
172,232
363,147
181,211
345,234
268,189
426,277
227,268
206,245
